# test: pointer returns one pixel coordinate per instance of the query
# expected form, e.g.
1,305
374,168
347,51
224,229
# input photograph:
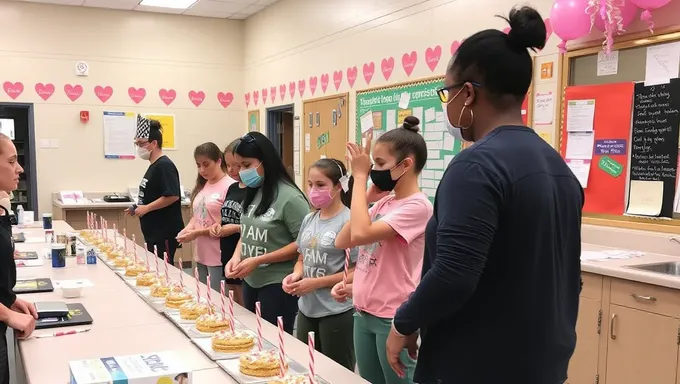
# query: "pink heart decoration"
272,93
408,62
301,87
548,29
352,76
282,91
196,97
225,98
137,95
454,47
167,96
337,79
506,30
387,66
432,57
264,94
368,70
291,89
324,82
45,91
103,93
313,81
247,97
13,90
73,92
256,97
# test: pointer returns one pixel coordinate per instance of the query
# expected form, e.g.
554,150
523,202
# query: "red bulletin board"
605,192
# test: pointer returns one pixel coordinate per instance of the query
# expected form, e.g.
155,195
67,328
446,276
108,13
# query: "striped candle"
310,344
209,289
167,272
224,309
155,251
134,247
282,353
146,255
181,274
115,236
198,289
125,241
258,317
231,305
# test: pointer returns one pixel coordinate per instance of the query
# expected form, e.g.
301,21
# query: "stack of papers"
609,255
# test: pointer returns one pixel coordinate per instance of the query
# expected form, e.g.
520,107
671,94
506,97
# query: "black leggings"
160,246
4,358
274,302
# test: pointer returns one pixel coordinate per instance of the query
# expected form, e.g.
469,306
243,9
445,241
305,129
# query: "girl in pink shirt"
207,198
391,239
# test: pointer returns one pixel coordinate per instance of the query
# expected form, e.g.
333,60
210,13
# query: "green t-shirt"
271,231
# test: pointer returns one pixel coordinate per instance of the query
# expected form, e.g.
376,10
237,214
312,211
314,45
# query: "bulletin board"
584,75
254,121
382,110
168,128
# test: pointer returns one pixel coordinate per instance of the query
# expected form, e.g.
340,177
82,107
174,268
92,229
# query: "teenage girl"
229,229
273,210
207,198
391,239
321,265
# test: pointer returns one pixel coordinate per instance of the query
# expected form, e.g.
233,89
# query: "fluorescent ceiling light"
175,4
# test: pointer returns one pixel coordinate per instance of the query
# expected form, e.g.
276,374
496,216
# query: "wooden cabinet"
583,364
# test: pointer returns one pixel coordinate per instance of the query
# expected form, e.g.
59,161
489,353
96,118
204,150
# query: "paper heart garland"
73,92
103,93
264,94
13,90
432,57
282,91
136,94
368,70
167,95
272,93
337,79
301,87
548,29
408,62
313,80
225,98
291,89
247,97
196,97
352,76
324,82
454,47
387,66
506,30
256,97
45,91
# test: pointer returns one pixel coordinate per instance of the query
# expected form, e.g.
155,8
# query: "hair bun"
411,123
527,28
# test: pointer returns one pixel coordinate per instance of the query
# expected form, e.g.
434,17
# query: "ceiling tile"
239,16
60,2
251,9
112,4
206,6
243,2
159,9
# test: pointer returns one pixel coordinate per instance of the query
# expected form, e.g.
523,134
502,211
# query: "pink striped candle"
224,309
231,305
181,274
312,348
125,241
146,256
198,289
134,246
167,272
155,251
209,296
282,353
258,317
115,236
346,272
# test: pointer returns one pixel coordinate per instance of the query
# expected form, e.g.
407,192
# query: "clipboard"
33,286
77,315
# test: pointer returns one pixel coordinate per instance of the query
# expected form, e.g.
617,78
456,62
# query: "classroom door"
286,141
325,129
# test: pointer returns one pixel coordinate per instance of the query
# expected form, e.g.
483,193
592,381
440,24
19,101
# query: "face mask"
453,130
320,198
382,179
143,153
250,177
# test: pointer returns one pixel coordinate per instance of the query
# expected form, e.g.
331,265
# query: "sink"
671,268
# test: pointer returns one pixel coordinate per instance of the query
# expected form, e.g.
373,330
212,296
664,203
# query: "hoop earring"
460,117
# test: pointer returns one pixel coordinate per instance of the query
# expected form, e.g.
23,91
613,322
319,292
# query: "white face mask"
143,153
453,130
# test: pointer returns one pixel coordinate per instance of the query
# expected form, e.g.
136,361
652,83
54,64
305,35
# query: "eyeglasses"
443,92
141,143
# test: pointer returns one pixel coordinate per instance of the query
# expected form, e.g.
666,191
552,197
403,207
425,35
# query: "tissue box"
152,368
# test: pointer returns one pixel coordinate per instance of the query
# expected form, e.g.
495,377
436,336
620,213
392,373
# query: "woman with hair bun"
499,294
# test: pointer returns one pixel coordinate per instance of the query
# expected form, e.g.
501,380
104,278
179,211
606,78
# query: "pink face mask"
320,198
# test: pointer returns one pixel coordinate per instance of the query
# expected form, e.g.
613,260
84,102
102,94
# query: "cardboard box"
151,368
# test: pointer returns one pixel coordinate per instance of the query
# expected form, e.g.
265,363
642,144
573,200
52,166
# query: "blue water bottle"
58,255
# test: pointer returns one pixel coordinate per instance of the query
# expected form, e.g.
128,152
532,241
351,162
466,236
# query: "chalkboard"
654,147
386,109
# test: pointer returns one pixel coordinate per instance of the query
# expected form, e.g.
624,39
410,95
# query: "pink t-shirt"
388,271
206,212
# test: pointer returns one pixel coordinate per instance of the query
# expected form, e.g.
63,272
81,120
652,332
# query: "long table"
124,324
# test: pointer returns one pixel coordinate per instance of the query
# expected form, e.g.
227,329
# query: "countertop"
621,268
95,205
125,324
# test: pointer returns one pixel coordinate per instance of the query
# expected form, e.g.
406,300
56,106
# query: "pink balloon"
569,20
628,13
650,4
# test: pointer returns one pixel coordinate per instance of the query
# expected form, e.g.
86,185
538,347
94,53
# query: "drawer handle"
645,298
612,335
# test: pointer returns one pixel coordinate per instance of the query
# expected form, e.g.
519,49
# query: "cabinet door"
583,364
642,347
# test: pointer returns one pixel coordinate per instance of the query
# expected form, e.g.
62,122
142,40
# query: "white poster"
119,135
544,108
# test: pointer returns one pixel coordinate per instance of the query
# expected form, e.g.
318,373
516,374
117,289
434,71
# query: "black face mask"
383,179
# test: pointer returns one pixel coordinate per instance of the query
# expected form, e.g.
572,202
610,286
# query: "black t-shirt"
8,269
161,179
499,295
231,214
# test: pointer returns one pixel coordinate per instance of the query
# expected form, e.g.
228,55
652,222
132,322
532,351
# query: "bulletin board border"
638,39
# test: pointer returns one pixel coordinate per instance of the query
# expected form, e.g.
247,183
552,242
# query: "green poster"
610,166
379,110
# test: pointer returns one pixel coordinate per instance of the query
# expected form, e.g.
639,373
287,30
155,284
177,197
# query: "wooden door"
583,364
328,133
642,347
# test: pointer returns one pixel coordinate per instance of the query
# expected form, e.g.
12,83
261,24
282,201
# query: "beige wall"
41,43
